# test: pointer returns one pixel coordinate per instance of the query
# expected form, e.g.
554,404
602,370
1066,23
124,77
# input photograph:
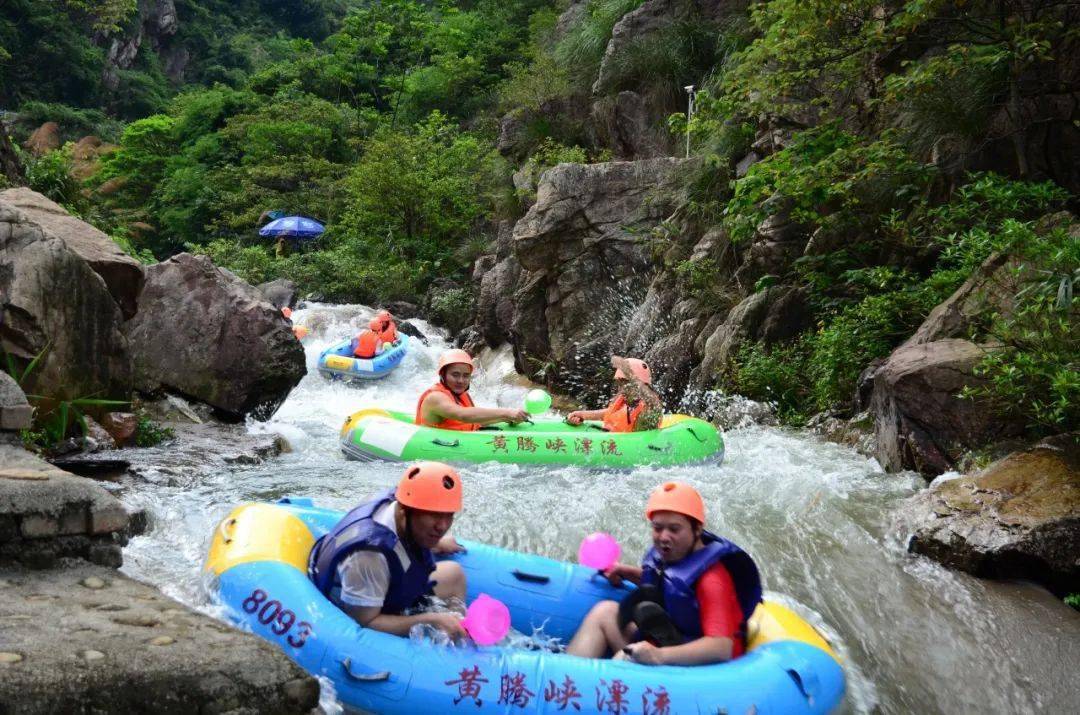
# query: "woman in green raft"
448,427
636,407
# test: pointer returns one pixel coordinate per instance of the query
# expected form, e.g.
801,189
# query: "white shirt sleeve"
365,579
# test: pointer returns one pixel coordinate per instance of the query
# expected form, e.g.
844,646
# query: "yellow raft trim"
774,622
242,538
355,417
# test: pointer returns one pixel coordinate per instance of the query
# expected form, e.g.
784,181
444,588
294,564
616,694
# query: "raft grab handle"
444,443
530,577
223,529
376,677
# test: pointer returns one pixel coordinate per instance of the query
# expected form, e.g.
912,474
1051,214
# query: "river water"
915,638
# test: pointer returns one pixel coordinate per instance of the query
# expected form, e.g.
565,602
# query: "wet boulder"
52,303
920,420
1018,518
584,265
771,315
281,293
203,332
123,275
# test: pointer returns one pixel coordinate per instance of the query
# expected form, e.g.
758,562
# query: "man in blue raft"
378,563
696,592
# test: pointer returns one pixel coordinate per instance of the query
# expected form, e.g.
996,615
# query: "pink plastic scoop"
599,551
487,620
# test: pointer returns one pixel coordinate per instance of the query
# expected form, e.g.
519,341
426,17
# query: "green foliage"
415,195
1035,374
50,174
149,433
1073,599
452,307
74,123
826,171
583,47
775,375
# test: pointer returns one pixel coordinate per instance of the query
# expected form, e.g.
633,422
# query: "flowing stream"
915,637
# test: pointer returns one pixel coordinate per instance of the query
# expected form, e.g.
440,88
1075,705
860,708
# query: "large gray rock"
771,315
632,125
281,293
88,639
52,301
15,411
122,274
584,264
497,274
1018,518
47,514
203,332
920,420
652,17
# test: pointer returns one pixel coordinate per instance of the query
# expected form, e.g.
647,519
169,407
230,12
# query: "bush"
1035,374
452,307
583,47
50,174
149,433
775,374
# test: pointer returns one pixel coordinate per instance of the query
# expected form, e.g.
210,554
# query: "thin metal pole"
689,114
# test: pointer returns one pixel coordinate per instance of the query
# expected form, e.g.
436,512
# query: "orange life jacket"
389,332
367,344
619,417
464,400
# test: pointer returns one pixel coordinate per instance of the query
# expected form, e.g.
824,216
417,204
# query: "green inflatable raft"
384,435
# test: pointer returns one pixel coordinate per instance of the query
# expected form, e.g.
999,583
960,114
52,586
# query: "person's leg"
599,632
449,580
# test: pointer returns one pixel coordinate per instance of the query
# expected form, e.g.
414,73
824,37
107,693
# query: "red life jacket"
367,344
388,334
619,417
463,399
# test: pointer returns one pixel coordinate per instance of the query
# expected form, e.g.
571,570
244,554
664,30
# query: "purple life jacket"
358,530
678,581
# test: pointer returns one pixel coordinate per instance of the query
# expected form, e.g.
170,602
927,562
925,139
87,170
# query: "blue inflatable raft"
257,567
337,362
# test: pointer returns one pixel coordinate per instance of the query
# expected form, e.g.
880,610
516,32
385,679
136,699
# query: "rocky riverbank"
78,320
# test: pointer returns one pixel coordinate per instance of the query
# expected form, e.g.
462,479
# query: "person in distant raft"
378,563
387,329
368,344
696,592
447,404
635,408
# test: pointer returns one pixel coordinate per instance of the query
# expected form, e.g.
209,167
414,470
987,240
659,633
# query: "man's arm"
373,617
704,650
442,407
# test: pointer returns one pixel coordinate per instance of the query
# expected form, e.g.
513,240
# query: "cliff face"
154,26
614,258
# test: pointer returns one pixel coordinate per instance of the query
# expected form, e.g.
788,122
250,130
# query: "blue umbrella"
293,226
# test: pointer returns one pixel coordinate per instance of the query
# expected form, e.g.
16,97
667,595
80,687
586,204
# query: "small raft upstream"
258,568
338,363
386,435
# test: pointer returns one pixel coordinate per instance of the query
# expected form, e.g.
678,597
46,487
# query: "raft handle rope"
598,428
530,577
691,431
444,443
225,525
378,677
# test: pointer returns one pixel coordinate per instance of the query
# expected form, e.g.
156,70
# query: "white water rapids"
915,637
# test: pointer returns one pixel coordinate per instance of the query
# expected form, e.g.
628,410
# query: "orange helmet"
383,315
678,497
639,368
287,312
452,357
374,324
430,486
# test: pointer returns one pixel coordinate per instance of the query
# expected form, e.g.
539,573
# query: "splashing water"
816,517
